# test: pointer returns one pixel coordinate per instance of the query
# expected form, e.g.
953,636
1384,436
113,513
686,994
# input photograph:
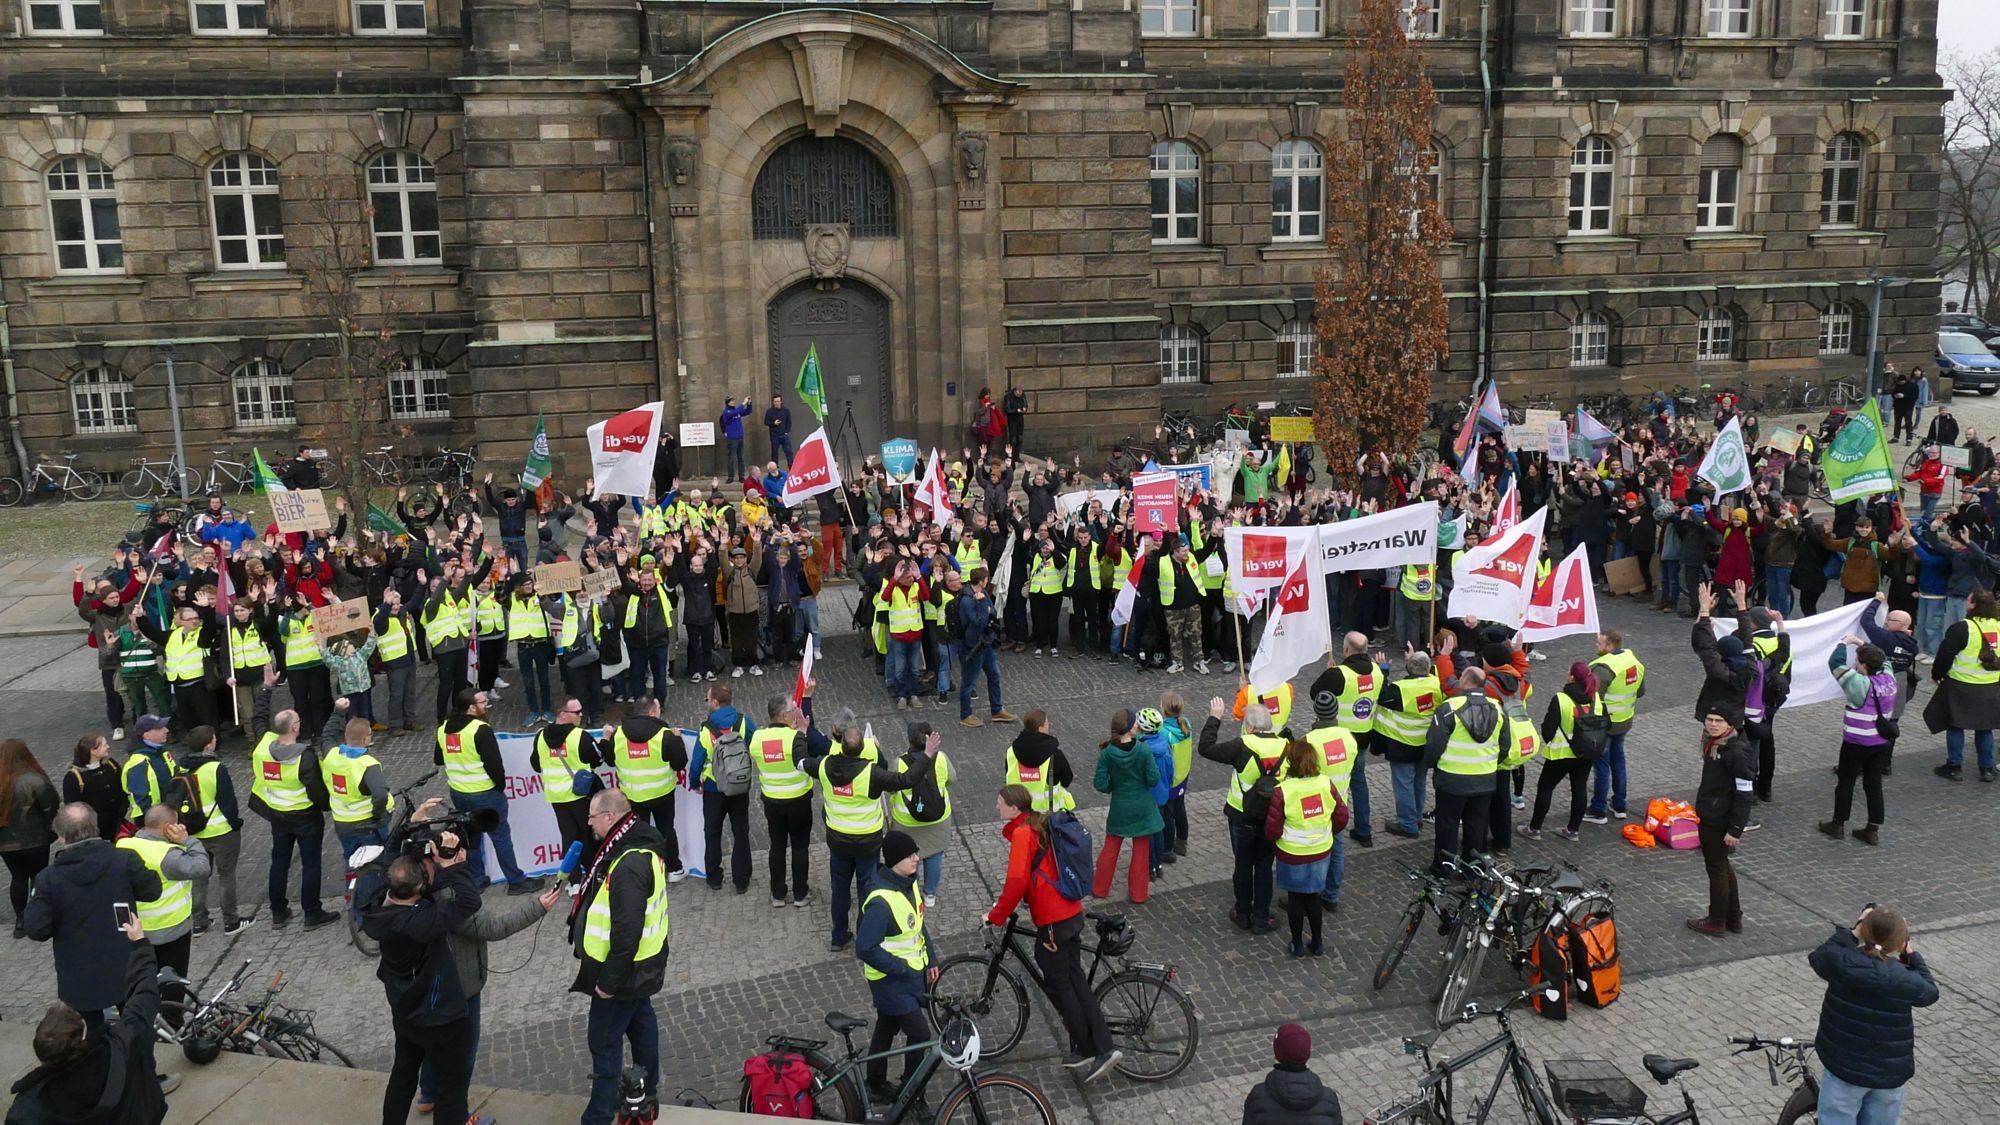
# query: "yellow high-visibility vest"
906,944
463,771
176,902
597,917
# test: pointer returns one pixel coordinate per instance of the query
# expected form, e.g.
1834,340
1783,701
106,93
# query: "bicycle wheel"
995,1099
393,471
304,1046
1468,956
465,503
835,1099
329,473
992,996
10,492
136,484
1399,943
85,485
1802,1108
368,946
1153,1023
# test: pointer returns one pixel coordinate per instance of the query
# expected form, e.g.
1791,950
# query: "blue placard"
899,456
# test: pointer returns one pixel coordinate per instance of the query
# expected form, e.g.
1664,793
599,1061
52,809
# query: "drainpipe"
14,441
1482,358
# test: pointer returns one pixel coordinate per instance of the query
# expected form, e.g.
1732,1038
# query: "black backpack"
1257,798
1590,730
924,801
183,793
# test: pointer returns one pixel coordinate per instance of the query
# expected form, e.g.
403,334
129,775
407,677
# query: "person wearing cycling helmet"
899,960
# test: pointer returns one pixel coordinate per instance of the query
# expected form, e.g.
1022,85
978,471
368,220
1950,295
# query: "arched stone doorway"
849,327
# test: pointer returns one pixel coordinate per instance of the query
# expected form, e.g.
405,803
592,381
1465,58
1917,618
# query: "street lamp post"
174,415
1875,325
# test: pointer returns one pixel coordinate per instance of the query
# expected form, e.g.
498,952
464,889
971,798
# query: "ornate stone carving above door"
827,246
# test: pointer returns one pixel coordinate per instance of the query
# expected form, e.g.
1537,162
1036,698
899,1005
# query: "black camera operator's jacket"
417,970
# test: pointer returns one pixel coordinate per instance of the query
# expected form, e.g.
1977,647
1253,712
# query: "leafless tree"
1969,196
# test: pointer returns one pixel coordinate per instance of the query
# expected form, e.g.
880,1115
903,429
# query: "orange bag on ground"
1637,836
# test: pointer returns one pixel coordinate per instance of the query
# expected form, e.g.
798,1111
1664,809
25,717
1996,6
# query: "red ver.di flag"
813,469
1565,603
1496,580
1153,507
1297,632
1261,557
622,451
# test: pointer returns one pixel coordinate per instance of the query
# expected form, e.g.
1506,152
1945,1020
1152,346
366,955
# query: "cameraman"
427,899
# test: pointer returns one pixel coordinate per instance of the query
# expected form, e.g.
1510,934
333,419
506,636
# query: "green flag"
1857,459
810,387
379,520
267,481
537,469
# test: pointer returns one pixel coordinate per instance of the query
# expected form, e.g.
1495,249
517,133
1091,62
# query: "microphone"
571,859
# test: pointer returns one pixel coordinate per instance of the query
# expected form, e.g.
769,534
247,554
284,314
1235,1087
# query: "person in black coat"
427,1008
81,1058
1867,1037
71,907
1723,801
1291,1094
1725,663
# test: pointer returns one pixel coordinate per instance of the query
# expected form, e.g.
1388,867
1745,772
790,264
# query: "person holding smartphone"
1867,1036
77,1049
74,908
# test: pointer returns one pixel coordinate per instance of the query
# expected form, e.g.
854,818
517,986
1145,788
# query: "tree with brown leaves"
1381,306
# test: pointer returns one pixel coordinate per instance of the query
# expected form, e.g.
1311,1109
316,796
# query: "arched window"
1298,179
403,197
263,395
1721,183
1590,341
1176,178
1840,181
1836,330
101,402
1715,336
1591,165
1180,354
243,201
822,180
83,210
1296,342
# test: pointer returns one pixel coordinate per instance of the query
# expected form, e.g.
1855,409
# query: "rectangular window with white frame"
418,393
1169,17
1423,19
1845,19
1718,194
231,17
389,17
1292,19
1593,19
1726,19
65,17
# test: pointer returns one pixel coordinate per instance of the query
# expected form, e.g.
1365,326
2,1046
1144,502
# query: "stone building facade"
1117,205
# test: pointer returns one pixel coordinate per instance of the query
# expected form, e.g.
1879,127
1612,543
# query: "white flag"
1496,580
1727,465
1813,640
1509,512
1565,604
1397,537
1297,631
933,493
622,450
813,469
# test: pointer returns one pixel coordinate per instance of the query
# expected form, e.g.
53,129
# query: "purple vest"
1753,697
1858,725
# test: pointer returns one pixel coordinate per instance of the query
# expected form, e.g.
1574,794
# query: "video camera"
423,838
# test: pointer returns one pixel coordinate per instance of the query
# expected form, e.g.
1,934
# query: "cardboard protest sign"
331,621
558,578
299,510
599,582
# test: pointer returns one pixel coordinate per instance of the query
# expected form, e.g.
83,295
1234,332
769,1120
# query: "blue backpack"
1073,852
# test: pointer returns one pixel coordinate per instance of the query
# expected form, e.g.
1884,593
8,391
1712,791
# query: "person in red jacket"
1058,930
1732,562
1930,477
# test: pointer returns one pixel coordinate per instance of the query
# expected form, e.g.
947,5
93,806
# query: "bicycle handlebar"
1755,1042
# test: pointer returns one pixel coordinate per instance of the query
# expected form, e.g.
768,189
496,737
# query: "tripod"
842,429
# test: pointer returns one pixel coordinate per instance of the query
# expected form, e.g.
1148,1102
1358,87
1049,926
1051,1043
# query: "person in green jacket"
1128,772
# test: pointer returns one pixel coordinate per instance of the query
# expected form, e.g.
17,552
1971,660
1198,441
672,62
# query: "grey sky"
1968,25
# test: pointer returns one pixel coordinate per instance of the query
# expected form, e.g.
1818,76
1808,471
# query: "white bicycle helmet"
959,1044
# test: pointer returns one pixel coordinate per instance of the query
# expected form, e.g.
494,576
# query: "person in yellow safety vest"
1622,678
252,670
1416,602
902,598
578,625
1973,700
1463,749
786,738
1179,590
557,754
395,648
967,554
722,768
305,669
1348,693
619,933
654,519
185,651
1035,762
288,789
851,788
528,628
647,614
357,791
1402,721
1045,587
218,825
1581,695
162,843
899,961
1303,824
1255,753
1083,582
1179,734
945,587
1338,753
490,626
649,758
441,614
1278,703
150,768
477,779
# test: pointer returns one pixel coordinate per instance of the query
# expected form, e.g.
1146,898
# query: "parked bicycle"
1152,1021
383,465
452,467
1434,897
840,1094
1845,392
1788,1066
58,482
229,473
208,1027
1511,913
147,479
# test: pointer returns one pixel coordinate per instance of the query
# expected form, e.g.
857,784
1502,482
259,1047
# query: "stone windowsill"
430,277
87,285
1724,240
1596,243
1304,250
1185,253
245,281
1845,237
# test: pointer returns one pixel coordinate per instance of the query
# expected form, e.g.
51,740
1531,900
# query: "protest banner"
1154,507
538,847
1070,502
1236,439
558,578
899,456
1555,439
1528,438
331,621
1813,639
1292,429
1496,579
299,510
696,435
1783,440
1199,474
600,583
1540,417
1397,537
1955,456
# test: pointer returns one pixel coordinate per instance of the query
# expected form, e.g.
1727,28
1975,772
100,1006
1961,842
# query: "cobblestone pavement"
741,970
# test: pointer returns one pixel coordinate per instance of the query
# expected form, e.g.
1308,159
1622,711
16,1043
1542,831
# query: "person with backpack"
211,816
923,811
1575,732
1254,758
1967,674
1867,1037
1129,774
1045,870
900,962
851,785
162,843
722,762
1868,734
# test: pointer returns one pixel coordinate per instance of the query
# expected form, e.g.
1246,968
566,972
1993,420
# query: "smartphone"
122,912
